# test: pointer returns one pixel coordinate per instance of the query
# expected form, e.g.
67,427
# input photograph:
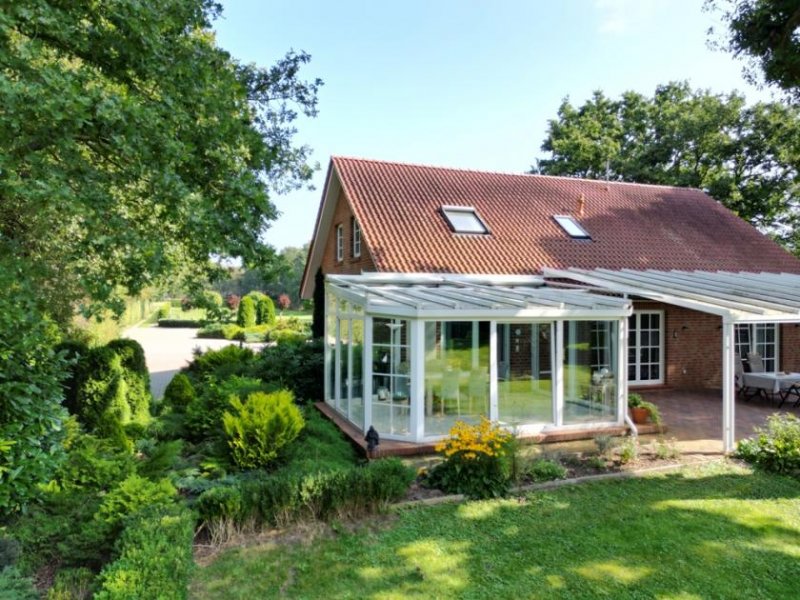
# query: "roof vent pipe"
581,205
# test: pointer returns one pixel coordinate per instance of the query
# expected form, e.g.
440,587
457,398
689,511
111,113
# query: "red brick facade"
350,265
693,347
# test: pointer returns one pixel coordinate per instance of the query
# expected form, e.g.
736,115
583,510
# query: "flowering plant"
477,460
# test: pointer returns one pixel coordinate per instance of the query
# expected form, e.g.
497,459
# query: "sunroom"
411,354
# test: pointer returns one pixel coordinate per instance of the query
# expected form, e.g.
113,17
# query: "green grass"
718,531
303,315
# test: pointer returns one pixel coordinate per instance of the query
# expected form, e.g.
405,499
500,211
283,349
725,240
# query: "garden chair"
451,390
755,362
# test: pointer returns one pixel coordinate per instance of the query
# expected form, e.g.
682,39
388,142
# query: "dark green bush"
543,469
265,310
31,393
179,393
74,351
204,414
298,367
775,448
247,315
132,355
157,462
180,323
259,428
155,557
220,503
221,364
9,552
14,586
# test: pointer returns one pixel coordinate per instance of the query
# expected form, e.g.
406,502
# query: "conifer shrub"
260,427
247,315
265,311
179,393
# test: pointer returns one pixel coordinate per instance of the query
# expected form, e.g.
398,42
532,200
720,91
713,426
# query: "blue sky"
464,83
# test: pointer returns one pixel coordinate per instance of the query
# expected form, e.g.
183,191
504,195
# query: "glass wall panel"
524,373
456,373
357,372
391,382
330,342
344,355
590,371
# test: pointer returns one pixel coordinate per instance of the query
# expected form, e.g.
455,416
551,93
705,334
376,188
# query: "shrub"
259,428
542,469
74,352
72,584
476,461
14,586
180,323
775,448
132,355
157,462
247,315
232,301
163,311
9,552
94,464
221,364
31,414
179,393
628,450
319,447
265,311
204,414
287,336
298,367
155,557
130,496
284,302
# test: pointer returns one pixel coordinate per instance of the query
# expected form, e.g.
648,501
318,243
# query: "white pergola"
736,297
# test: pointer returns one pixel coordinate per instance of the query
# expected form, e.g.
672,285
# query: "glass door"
525,373
645,347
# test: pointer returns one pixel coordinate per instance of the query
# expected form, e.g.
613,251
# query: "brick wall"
790,347
343,215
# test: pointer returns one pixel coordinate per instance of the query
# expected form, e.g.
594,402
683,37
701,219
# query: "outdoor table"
780,383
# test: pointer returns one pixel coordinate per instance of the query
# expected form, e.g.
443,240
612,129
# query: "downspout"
631,424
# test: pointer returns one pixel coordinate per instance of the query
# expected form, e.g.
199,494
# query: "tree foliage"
747,157
767,34
134,147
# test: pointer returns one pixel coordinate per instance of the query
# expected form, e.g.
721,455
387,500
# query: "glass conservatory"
413,354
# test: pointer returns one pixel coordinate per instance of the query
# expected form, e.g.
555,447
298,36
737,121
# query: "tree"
765,33
134,147
318,318
747,157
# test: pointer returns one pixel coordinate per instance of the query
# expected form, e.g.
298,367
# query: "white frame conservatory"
428,350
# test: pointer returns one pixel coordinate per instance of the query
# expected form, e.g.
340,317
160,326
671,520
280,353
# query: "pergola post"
728,390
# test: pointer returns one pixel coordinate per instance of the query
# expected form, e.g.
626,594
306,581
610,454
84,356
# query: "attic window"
464,219
572,228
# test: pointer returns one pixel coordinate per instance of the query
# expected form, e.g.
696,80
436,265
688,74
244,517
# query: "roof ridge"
512,174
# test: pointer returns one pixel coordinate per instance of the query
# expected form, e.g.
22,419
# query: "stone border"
558,483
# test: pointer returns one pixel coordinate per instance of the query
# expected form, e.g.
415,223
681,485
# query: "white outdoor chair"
755,362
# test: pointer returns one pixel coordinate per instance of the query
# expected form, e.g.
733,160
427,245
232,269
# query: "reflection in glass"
524,373
590,362
456,373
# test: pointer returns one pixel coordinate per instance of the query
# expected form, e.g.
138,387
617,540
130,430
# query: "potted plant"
642,411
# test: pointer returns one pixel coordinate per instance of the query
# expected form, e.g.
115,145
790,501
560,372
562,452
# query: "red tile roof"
631,226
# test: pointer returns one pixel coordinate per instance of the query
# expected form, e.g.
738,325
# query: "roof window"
464,219
572,227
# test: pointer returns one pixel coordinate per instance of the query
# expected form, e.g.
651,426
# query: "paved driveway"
168,350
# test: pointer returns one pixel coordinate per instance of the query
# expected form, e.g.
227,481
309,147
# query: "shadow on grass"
713,532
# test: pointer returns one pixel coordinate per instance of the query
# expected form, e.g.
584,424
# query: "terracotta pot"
640,415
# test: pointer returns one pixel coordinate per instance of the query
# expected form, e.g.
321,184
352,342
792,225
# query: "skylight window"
572,228
464,219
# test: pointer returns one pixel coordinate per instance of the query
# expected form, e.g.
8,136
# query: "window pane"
391,382
464,220
525,390
589,395
456,374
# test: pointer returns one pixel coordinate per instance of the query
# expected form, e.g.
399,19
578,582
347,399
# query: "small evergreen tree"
247,313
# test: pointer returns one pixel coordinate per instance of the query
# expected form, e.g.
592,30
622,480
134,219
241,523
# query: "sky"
464,83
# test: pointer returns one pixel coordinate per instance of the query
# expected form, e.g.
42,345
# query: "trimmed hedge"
155,557
284,498
180,323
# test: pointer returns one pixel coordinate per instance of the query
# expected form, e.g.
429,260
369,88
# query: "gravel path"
168,350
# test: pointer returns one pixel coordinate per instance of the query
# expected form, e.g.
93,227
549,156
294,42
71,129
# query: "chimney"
581,205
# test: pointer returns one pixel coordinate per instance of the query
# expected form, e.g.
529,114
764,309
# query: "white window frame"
356,239
637,314
753,345
465,210
339,242
571,227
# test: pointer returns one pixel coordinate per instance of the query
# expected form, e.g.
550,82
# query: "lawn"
716,531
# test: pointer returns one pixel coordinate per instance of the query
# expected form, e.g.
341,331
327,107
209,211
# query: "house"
535,300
